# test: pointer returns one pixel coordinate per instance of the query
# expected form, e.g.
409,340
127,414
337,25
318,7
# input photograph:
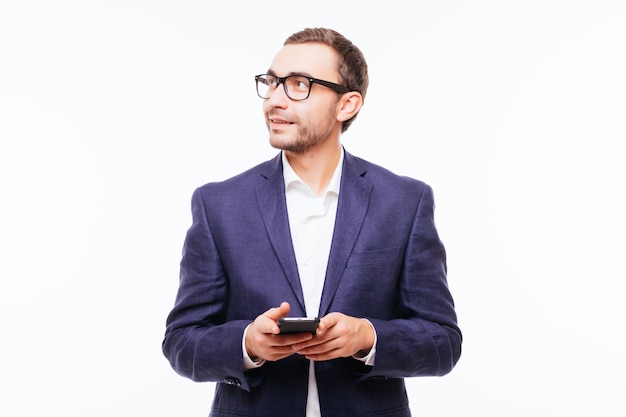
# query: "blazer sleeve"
199,343
425,339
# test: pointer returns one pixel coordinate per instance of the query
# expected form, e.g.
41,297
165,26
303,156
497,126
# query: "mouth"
279,122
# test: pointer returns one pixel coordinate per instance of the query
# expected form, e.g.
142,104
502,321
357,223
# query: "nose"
278,98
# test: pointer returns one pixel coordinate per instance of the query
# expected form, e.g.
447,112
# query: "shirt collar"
292,179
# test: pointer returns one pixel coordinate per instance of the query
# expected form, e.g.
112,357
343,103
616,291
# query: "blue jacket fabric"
386,264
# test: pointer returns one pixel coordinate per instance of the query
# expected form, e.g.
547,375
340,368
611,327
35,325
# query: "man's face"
298,126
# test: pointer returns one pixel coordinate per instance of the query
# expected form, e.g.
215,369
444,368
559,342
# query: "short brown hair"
352,65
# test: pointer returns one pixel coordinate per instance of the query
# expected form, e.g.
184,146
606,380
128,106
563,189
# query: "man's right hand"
264,341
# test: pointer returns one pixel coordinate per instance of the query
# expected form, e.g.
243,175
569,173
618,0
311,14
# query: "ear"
349,105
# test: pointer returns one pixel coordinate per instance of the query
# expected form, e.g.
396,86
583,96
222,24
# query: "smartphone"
298,324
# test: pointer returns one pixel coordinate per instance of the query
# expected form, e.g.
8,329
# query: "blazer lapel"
354,197
273,206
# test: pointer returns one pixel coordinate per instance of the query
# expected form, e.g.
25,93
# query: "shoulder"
383,178
390,191
244,182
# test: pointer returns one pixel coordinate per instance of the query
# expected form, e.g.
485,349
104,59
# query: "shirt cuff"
371,356
248,362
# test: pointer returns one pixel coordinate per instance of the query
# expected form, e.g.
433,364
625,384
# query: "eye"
298,83
268,81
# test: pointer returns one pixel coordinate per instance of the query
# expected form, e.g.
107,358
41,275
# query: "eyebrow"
304,74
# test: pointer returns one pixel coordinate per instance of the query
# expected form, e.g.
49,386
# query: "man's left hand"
338,336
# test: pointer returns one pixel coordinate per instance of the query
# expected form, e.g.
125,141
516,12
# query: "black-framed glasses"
297,87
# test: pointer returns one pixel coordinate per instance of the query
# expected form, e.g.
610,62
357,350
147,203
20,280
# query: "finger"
321,354
273,314
317,344
328,321
278,312
326,356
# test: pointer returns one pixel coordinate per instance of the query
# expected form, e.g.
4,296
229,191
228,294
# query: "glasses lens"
298,87
265,84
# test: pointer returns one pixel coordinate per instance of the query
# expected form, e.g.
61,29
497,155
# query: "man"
313,232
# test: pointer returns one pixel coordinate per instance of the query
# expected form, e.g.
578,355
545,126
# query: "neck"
316,166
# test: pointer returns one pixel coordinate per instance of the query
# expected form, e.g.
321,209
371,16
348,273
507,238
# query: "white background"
112,112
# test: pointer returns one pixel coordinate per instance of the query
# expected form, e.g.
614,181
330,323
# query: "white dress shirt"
311,222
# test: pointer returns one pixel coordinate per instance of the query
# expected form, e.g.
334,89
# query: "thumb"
278,312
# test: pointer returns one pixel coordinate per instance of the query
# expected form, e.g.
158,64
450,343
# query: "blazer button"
232,381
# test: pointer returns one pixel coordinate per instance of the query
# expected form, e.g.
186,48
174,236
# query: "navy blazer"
386,264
